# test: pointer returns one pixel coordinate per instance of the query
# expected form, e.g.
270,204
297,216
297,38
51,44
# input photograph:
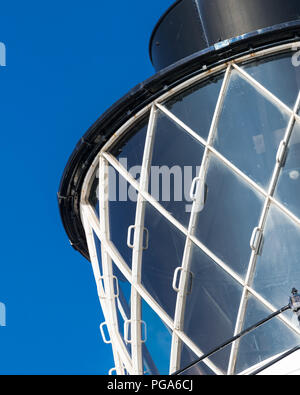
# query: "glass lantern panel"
161,258
279,74
250,129
158,341
195,106
212,303
129,150
176,160
230,214
288,187
277,267
265,342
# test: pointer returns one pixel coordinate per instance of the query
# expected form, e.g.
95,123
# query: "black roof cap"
190,26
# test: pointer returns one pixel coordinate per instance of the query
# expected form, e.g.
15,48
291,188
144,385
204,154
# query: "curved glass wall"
199,211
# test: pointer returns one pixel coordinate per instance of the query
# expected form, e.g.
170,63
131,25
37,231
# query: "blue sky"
67,62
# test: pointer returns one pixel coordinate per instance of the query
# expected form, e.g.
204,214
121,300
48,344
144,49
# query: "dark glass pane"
267,341
159,339
176,160
230,214
196,106
211,307
93,198
121,329
124,290
149,365
279,75
278,268
98,250
130,149
250,129
122,302
122,206
202,368
163,256
288,187
199,369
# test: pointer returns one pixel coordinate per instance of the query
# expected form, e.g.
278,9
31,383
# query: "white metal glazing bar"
122,266
166,214
253,258
107,269
186,261
125,359
138,248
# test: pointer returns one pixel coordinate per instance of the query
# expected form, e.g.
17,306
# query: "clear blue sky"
67,62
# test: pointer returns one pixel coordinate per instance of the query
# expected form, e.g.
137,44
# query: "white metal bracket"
175,280
110,372
256,240
106,341
126,331
130,243
193,190
198,182
116,288
114,372
175,277
281,153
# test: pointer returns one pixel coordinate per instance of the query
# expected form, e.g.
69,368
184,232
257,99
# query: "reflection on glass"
230,214
122,206
288,187
211,306
176,161
195,106
278,268
250,129
130,149
163,256
158,343
267,341
279,75
199,369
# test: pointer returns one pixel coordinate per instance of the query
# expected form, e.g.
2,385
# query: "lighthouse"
184,195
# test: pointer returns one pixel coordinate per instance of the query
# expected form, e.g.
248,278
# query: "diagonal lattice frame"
131,362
